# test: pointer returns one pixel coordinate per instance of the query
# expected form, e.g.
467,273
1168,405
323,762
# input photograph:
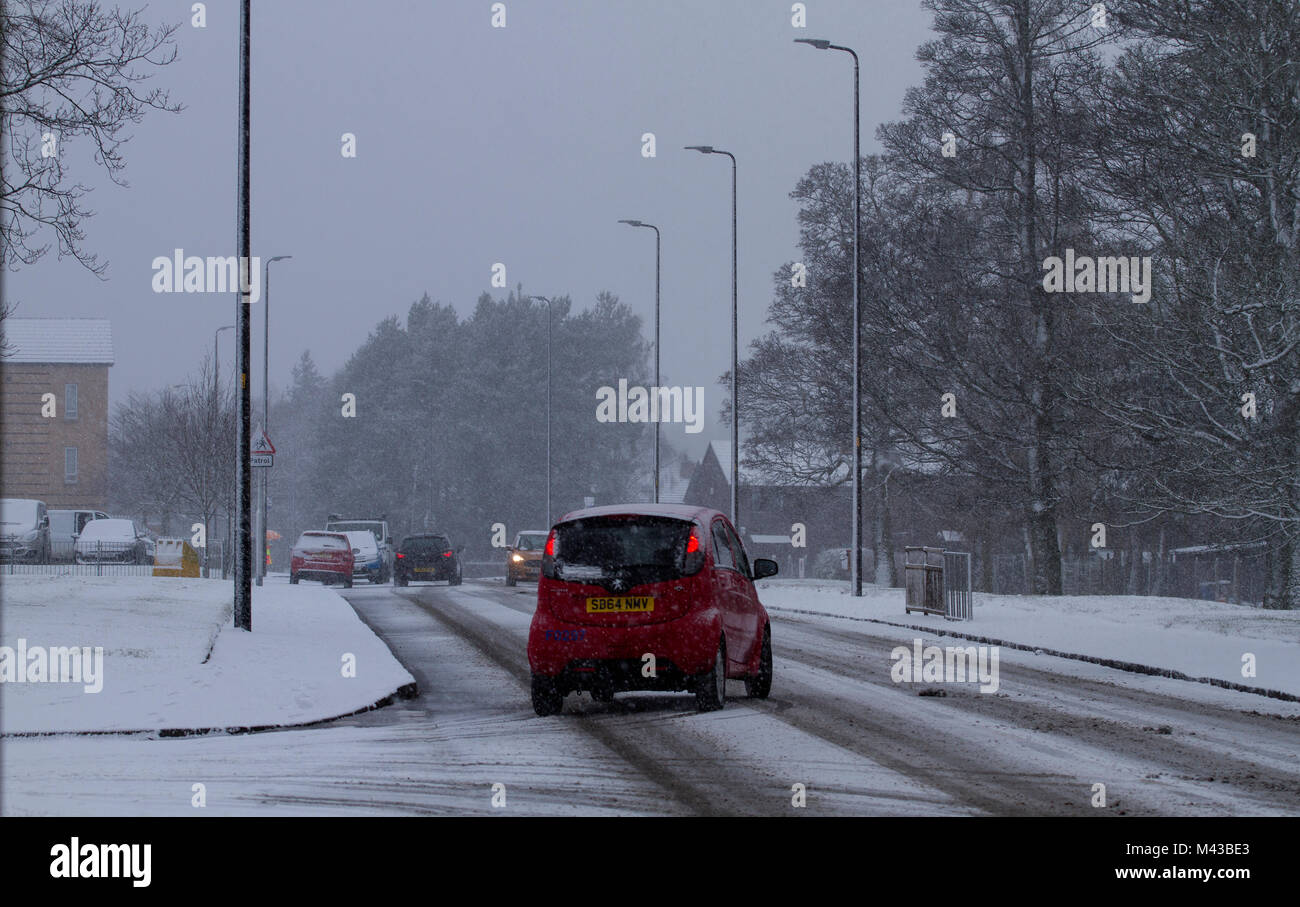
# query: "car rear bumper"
682,648
318,573
431,575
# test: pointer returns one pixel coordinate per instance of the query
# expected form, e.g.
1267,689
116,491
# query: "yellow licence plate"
425,569
620,604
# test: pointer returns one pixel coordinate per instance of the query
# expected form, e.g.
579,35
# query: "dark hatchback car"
648,597
427,557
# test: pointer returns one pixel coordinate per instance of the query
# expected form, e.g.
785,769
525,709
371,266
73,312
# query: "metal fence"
958,593
923,580
88,559
1227,576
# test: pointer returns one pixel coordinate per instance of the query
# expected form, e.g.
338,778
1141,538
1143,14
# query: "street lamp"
637,223
822,44
735,408
216,410
548,407
266,399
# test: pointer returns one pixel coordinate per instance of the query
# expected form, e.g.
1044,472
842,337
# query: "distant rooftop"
672,485
80,341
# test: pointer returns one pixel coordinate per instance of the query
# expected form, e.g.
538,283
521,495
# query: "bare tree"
7,308
68,70
1007,85
170,450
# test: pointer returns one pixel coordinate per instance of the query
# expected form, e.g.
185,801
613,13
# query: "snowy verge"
1203,640
155,633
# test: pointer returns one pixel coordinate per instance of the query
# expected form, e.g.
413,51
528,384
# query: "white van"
65,526
24,531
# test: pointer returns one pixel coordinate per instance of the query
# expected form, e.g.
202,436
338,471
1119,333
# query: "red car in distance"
326,556
622,583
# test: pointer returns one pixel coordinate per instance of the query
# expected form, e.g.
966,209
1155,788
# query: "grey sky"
477,145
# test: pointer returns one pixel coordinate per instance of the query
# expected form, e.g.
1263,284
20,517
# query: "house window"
70,465
69,401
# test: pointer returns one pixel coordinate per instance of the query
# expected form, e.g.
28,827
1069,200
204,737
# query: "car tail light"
400,554
548,556
693,558
446,554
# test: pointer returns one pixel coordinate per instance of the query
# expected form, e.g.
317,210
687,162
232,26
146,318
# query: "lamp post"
822,44
266,400
216,412
735,408
548,407
242,608
637,223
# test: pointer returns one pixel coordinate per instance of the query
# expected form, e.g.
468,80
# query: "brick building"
60,459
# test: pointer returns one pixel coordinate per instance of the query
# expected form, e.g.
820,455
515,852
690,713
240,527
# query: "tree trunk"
1158,567
986,562
1046,578
1135,563
882,536
1042,518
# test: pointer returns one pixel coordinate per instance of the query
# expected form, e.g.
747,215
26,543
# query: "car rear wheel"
347,582
399,580
711,688
603,694
455,578
510,578
759,685
293,579
547,698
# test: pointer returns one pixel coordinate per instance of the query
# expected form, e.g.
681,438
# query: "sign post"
262,453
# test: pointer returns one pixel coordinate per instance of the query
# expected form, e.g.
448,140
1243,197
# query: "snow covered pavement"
1195,638
172,662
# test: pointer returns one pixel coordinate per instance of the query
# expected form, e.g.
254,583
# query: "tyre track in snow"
1200,770
974,776
1117,719
699,783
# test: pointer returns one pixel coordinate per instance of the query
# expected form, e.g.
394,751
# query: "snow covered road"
836,723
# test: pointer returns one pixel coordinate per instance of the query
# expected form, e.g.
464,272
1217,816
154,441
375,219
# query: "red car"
326,556
625,582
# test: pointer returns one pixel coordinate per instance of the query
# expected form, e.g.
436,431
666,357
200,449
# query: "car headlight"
517,558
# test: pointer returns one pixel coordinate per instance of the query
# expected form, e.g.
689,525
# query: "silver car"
114,541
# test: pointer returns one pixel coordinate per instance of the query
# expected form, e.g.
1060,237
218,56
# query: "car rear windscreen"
639,548
309,540
431,544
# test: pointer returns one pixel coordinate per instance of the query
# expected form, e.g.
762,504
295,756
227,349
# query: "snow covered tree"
1008,82
1200,156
